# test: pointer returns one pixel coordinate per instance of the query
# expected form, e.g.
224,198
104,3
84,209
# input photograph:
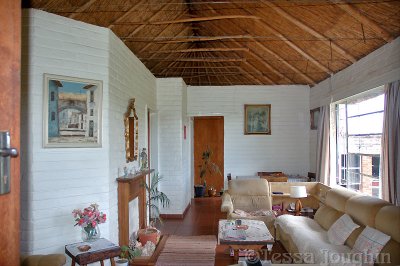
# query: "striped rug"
188,250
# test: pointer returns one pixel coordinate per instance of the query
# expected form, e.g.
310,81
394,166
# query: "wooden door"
209,133
10,47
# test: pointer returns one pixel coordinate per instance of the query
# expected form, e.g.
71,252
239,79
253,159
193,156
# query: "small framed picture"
314,117
72,112
257,119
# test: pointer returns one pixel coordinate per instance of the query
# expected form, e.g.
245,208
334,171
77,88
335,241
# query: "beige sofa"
248,195
364,210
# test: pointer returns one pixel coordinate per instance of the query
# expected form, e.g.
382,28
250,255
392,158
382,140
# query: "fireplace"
130,191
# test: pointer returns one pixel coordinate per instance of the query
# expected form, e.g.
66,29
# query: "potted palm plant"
155,197
207,167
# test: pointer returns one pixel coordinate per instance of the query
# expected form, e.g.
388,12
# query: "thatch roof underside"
232,42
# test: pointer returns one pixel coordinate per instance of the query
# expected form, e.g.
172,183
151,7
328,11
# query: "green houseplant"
207,167
155,197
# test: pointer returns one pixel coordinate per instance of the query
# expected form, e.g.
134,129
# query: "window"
91,96
91,112
358,143
53,116
52,96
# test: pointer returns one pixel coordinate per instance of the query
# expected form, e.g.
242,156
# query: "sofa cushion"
310,238
389,213
392,214
363,209
336,198
370,243
251,203
341,230
246,187
326,216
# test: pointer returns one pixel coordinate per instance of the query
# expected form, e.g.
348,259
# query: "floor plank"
202,219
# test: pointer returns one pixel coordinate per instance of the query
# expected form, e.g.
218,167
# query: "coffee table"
256,236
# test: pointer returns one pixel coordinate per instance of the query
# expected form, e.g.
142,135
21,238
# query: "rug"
188,250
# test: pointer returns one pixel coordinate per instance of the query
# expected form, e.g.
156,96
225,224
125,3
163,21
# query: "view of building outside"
358,136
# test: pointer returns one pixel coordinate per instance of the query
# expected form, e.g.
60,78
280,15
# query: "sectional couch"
332,203
364,211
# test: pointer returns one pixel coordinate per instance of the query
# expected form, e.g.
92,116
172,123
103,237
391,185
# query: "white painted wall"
56,181
284,150
172,148
378,68
128,78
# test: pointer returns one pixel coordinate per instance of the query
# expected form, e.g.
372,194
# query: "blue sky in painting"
73,87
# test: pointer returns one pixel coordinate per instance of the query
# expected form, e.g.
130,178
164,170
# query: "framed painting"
72,112
314,117
257,119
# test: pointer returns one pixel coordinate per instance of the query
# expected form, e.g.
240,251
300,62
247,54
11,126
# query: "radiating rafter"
135,31
201,38
291,44
355,13
158,35
220,49
82,8
198,19
125,15
259,59
310,30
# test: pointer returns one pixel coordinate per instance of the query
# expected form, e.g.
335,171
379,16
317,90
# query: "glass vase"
90,234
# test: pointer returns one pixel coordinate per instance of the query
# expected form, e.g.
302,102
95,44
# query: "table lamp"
298,192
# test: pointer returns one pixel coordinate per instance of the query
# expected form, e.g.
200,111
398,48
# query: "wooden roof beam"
199,59
202,39
292,45
81,9
310,30
219,49
200,19
261,60
126,14
307,78
254,69
159,11
153,68
355,13
159,34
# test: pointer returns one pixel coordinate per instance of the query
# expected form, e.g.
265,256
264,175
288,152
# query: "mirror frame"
131,134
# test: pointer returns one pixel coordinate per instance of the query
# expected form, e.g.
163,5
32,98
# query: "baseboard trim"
176,216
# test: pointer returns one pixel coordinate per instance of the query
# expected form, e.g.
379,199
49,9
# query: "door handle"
6,152
9,152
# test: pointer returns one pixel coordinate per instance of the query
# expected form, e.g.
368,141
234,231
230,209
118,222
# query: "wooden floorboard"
202,219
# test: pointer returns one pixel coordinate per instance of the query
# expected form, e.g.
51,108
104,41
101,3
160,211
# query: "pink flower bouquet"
88,219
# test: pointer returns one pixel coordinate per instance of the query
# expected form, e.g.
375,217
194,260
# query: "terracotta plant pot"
212,192
149,234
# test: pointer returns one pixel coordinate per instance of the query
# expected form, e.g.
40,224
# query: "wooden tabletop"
100,250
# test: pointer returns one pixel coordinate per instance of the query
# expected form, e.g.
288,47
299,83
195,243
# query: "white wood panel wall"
285,150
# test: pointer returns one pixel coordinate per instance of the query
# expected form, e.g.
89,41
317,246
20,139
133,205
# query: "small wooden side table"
99,251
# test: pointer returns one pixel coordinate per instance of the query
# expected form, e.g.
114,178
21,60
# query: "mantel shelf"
132,177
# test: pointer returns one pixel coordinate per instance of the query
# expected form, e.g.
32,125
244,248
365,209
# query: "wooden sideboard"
129,188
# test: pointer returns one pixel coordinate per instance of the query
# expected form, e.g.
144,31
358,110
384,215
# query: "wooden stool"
100,250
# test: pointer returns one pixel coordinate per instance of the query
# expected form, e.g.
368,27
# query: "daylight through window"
358,136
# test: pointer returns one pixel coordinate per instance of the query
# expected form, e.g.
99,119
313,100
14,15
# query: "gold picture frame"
131,132
257,119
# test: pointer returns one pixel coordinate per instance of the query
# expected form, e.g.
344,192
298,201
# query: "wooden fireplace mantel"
129,188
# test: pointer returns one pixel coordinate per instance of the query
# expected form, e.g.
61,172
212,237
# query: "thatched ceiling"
231,42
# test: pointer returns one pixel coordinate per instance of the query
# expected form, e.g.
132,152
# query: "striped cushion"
369,244
341,230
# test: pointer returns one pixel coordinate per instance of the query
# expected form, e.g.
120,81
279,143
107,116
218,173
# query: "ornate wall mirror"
131,132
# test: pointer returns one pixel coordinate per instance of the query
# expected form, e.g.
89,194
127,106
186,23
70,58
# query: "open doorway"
208,132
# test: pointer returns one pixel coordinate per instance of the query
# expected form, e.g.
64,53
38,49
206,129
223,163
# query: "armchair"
248,195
